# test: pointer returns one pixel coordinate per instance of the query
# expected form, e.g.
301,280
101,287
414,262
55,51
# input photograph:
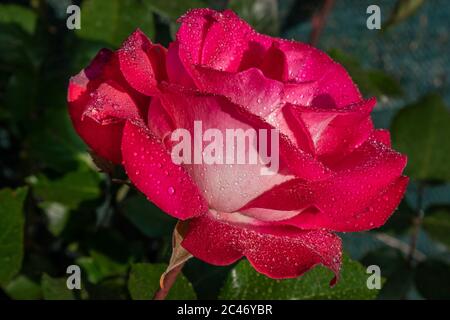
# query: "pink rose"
336,172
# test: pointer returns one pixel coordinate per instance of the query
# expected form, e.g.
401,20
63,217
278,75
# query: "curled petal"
332,84
213,39
142,63
275,64
335,132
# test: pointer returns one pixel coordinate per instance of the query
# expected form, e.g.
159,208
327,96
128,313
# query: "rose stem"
319,20
121,181
169,280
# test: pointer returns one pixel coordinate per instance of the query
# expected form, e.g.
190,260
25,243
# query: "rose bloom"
336,173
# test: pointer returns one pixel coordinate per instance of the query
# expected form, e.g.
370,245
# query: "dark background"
57,209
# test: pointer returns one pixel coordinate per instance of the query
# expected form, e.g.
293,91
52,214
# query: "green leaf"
91,268
432,279
372,82
148,218
144,282
110,255
56,145
11,232
174,9
261,14
381,83
421,132
245,283
100,266
69,190
23,288
55,288
22,16
402,10
113,21
437,224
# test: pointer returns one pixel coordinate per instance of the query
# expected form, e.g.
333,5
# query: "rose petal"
226,186
142,63
333,85
261,96
370,173
109,103
159,122
383,136
150,168
249,89
361,176
296,194
213,39
335,132
176,71
295,160
224,42
275,64
278,252
373,215
103,139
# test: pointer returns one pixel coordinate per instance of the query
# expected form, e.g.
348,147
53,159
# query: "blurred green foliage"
114,22
56,209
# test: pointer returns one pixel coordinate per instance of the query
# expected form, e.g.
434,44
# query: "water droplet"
171,190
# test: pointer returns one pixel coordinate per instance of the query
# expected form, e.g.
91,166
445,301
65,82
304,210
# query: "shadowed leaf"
421,131
11,232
